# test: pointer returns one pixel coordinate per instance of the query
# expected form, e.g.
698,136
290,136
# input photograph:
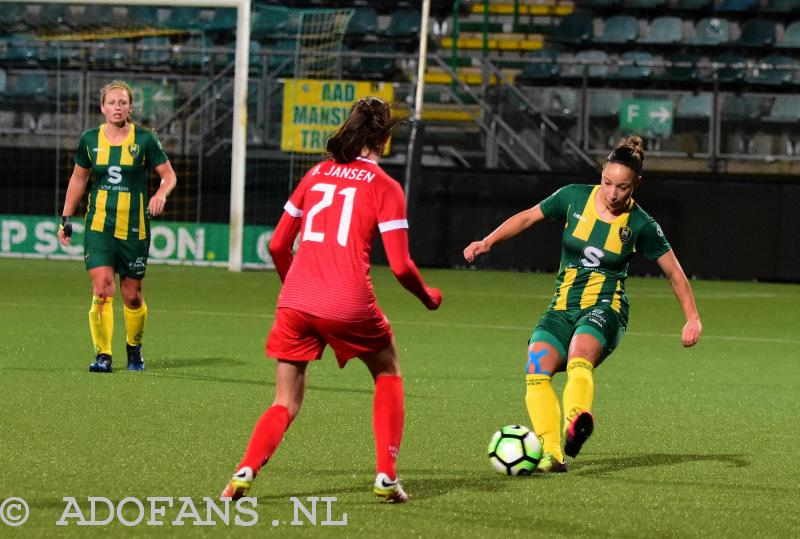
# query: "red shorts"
299,336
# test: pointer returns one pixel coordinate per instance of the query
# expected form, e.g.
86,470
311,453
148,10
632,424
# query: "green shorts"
557,328
127,257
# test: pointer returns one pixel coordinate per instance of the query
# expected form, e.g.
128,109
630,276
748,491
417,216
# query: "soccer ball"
514,450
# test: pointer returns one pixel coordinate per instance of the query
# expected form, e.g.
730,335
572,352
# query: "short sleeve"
391,206
554,207
154,153
82,154
651,242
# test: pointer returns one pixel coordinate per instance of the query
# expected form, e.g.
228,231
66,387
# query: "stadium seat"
619,29
19,48
11,14
154,51
694,5
757,33
222,20
604,103
375,67
664,31
576,28
791,37
59,53
738,5
184,18
595,62
3,78
281,62
741,108
602,3
693,106
729,67
782,6
110,53
364,22
271,23
545,67
50,15
785,109
96,15
29,84
711,31
634,66
680,68
194,53
403,23
774,70
645,4
145,16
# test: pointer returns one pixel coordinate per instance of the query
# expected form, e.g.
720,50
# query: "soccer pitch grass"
688,442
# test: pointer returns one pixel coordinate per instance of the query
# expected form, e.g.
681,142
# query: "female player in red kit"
327,296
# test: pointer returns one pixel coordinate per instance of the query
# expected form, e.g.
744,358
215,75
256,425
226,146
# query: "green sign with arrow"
648,117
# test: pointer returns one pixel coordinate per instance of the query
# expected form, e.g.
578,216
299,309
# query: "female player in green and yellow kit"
117,226
588,314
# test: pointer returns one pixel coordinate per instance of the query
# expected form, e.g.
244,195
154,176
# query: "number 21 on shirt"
328,194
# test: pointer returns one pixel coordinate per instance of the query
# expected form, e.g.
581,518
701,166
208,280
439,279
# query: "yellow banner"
314,109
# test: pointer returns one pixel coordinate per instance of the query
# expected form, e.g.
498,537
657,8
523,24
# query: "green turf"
697,442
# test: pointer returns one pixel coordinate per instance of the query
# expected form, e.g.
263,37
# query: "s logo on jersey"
114,174
591,257
625,234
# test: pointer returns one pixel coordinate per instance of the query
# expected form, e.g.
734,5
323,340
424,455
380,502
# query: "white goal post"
239,139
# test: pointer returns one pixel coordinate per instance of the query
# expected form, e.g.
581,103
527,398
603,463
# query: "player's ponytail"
368,126
629,152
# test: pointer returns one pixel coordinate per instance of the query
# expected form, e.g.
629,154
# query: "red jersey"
343,207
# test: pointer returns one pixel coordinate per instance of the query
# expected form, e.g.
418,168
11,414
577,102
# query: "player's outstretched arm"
510,228
683,291
75,189
395,243
280,246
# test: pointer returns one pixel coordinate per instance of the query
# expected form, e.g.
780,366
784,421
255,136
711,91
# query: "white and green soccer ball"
515,450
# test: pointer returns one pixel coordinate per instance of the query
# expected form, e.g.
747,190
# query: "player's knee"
541,360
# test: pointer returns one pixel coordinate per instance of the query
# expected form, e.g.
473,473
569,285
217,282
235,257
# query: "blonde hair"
122,85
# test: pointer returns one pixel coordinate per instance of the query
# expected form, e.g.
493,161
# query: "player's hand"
434,298
691,333
156,205
65,230
474,249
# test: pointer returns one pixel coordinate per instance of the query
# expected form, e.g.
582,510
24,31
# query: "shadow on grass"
649,460
192,362
419,488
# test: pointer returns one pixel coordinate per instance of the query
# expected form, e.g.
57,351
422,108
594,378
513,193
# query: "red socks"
387,422
267,435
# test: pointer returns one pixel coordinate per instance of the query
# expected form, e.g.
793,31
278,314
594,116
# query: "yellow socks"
579,390
545,413
101,324
135,321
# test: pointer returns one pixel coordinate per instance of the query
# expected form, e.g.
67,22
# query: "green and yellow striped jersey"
118,201
595,254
